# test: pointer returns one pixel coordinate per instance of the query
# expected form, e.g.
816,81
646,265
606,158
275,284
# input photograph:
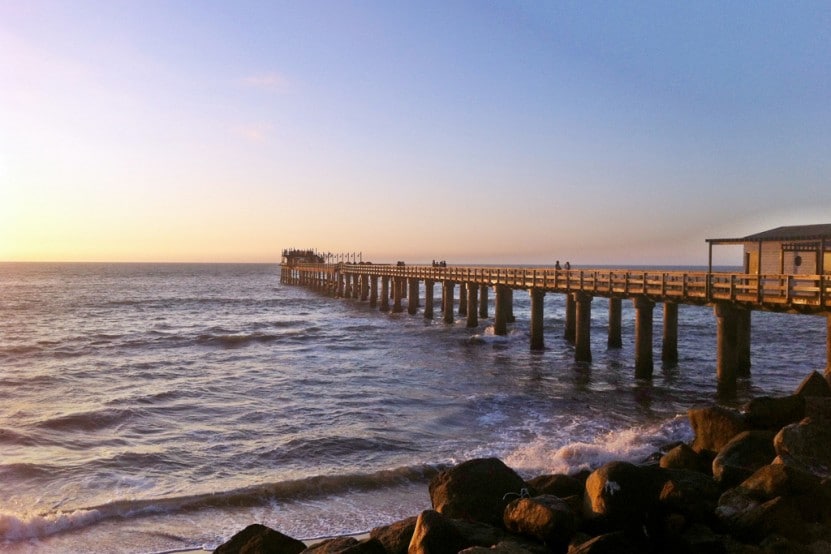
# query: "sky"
467,131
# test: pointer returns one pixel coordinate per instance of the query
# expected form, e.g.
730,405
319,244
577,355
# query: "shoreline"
754,480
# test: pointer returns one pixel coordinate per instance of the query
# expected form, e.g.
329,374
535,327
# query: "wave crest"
16,527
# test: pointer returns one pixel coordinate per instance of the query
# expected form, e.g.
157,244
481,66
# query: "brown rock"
619,495
767,412
396,536
436,534
690,493
684,457
558,485
806,445
367,546
814,385
818,409
611,543
742,456
780,516
700,539
475,490
336,545
545,517
259,539
502,548
714,426
777,544
774,480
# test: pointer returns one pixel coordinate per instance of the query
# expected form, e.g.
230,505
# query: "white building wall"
772,256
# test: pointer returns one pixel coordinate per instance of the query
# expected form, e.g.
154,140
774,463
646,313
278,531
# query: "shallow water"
147,407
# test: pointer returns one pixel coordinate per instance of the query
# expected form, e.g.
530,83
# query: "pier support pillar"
726,346
447,287
537,297
373,291
483,301
615,340
669,345
643,337
828,349
500,311
385,294
571,315
412,297
364,288
743,342
397,293
356,287
428,299
510,318
462,299
347,292
472,312
582,338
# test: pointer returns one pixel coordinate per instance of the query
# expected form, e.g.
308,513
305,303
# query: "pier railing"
801,293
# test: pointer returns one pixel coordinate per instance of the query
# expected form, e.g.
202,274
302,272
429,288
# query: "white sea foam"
20,527
633,445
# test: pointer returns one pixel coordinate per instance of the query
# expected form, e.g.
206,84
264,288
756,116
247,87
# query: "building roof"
787,233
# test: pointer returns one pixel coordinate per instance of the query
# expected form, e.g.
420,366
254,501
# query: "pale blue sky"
599,132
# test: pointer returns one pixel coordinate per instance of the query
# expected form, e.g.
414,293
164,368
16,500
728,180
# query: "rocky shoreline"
755,480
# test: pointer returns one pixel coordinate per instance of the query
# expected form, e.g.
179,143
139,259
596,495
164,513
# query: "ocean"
149,408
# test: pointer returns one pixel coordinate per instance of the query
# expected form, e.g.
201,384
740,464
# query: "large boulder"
610,543
818,409
714,426
768,412
684,457
347,545
558,484
814,385
436,533
690,493
742,456
476,490
779,516
807,445
546,518
396,536
619,496
259,539
779,479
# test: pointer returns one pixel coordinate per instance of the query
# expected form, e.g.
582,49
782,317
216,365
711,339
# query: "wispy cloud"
253,132
271,82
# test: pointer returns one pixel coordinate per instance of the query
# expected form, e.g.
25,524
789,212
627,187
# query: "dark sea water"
150,408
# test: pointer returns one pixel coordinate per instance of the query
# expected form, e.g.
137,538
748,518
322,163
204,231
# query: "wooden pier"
733,297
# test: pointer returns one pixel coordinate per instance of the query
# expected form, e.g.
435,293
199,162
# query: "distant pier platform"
733,296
